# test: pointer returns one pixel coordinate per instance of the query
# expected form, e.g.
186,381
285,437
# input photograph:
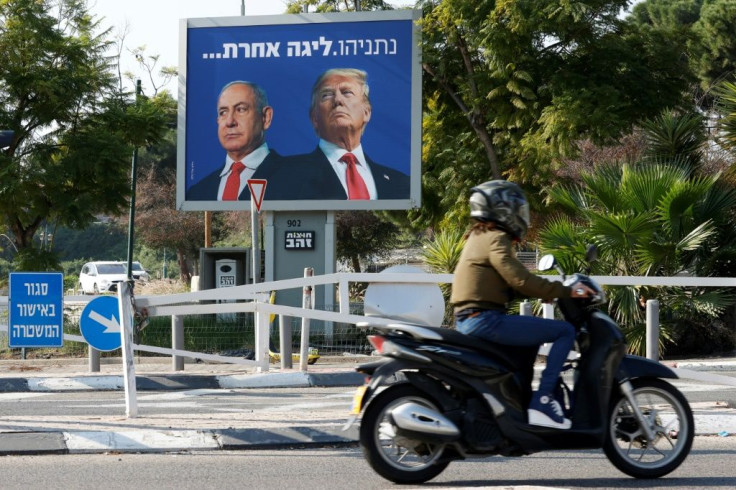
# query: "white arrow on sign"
111,324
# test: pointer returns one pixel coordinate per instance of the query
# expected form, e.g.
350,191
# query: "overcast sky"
155,23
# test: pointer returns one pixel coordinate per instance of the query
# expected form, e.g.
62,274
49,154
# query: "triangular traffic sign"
257,190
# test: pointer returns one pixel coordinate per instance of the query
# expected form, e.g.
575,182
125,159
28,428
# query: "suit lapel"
324,178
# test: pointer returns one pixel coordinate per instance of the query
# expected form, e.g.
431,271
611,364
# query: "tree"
672,14
74,133
361,235
714,51
158,223
726,107
707,26
530,79
148,63
677,136
441,255
297,6
652,218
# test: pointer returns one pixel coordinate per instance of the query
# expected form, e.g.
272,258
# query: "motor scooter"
438,396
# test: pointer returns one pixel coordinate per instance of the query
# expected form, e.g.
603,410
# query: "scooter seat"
512,355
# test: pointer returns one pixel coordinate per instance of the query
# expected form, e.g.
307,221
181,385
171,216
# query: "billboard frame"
415,99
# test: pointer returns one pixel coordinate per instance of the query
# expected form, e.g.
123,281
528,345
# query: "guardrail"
255,295
254,299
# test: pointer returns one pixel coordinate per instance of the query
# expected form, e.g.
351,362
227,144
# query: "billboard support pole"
255,246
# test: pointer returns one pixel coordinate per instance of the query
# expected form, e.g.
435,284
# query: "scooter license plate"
358,400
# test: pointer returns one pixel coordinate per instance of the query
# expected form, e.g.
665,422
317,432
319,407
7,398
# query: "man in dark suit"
243,116
339,168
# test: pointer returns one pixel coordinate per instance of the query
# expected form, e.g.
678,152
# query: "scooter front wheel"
397,458
668,415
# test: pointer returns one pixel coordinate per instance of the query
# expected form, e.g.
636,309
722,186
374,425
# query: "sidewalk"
62,434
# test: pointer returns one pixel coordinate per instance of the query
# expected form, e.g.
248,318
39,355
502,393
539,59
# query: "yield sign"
257,190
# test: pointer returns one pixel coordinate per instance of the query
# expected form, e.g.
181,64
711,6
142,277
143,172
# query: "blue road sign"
100,323
36,309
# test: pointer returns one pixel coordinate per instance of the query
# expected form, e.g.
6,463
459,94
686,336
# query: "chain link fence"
233,334
229,334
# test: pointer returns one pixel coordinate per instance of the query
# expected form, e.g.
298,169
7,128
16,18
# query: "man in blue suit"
243,116
339,168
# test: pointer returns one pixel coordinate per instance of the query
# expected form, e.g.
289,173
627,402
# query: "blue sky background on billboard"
155,24
288,82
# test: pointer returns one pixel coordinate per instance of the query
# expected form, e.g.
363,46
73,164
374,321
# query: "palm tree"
441,256
726,107
654,218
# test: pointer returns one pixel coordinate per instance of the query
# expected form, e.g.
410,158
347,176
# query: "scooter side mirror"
546,263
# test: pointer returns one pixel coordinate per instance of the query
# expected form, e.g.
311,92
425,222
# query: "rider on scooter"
488,276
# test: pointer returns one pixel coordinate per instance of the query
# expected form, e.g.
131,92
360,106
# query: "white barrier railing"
256,297
178,305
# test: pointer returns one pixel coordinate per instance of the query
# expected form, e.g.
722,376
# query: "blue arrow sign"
36,303
100,323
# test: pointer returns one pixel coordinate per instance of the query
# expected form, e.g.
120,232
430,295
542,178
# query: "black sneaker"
547,412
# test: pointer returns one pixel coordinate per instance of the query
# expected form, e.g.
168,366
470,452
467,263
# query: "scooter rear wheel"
395,458
669,416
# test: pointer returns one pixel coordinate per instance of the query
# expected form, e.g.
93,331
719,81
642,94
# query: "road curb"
162,441
29,443
181,382
235,439
704,365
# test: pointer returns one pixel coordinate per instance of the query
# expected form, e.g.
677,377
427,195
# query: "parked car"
101,277
139,273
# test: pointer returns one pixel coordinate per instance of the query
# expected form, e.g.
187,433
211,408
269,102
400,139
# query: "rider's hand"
580,290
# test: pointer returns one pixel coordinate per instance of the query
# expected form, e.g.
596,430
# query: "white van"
101,277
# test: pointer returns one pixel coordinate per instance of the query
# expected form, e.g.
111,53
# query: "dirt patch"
23,368
152,288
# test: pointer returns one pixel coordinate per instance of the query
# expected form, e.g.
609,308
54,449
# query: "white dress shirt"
334,153
251,161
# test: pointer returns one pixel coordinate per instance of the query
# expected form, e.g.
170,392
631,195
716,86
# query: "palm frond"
622,231
697,237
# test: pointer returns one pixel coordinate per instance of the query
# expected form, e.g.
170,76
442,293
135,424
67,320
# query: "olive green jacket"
488,275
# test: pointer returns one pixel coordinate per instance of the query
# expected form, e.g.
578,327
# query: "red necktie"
232,186
356,184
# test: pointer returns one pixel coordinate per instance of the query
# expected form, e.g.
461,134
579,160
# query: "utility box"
225,273
226,277
224,267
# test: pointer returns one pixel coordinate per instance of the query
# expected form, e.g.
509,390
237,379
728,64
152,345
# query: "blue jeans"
525,331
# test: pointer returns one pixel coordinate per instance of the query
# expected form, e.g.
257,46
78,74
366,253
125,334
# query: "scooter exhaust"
417,421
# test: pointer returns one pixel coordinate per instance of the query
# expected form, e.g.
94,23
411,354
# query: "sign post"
36,317
125,301
257,189
107,324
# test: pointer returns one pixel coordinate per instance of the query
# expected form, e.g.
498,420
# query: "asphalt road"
200,401
258,401
261,401
342,468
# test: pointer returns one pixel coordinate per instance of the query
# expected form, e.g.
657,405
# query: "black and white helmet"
503,203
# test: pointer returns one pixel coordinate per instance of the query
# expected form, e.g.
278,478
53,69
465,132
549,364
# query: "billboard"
323,141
